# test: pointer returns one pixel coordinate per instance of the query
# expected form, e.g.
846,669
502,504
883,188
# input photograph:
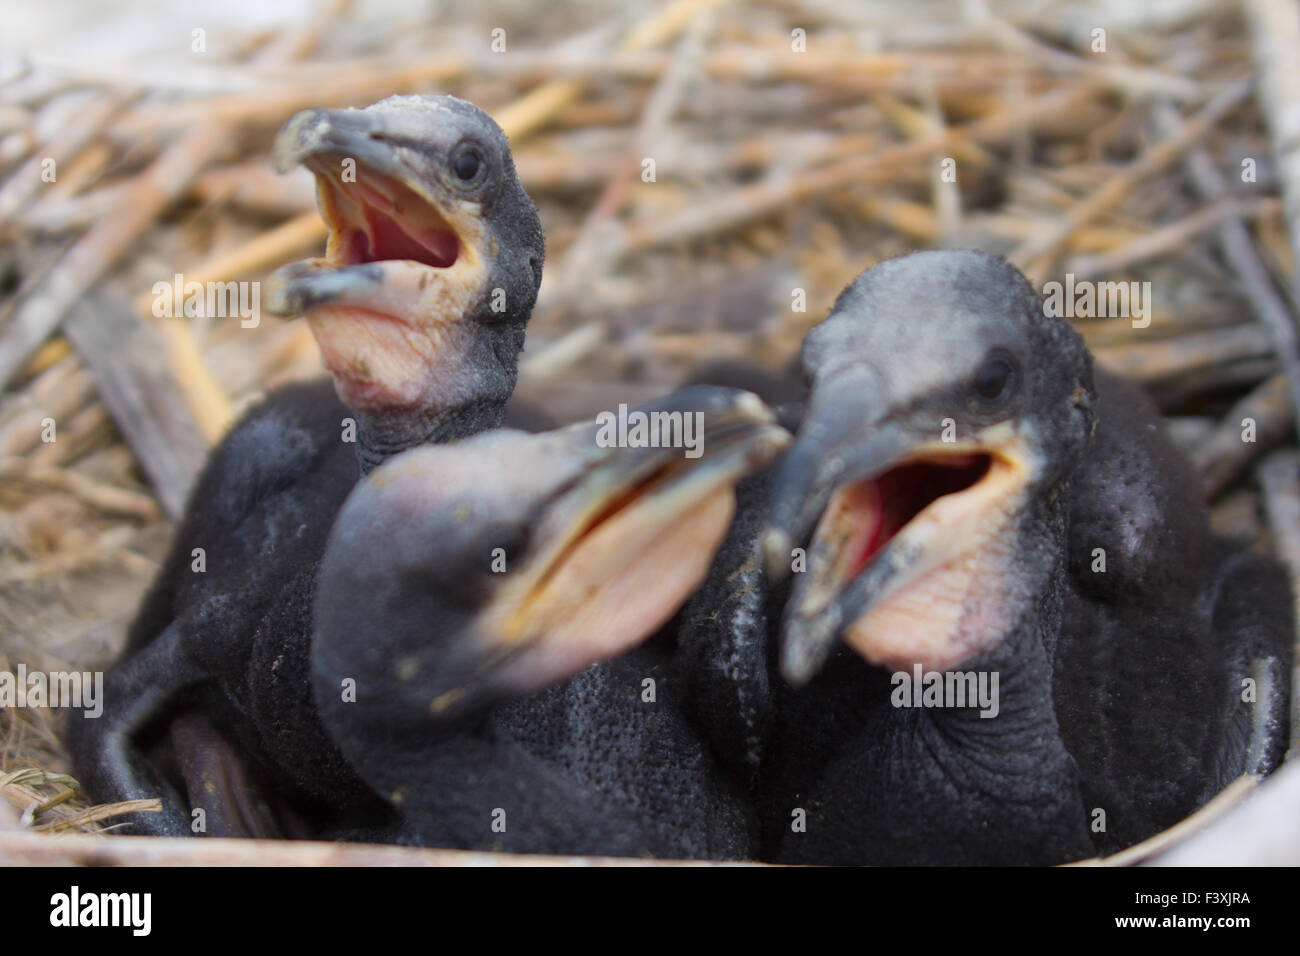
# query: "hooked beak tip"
303,133
776,554
807,641
279,294
797,665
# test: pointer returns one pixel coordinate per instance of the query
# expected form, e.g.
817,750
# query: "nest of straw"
794,143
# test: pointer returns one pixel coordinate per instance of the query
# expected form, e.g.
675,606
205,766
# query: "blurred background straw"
710,174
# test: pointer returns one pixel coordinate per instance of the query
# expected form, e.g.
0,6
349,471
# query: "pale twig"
1036,256
34,849
27,179
592,250
760,199
1224,454
1279,479
1186,354
1239,249
1263,830
1275,38
1225,800
120,502
1170,238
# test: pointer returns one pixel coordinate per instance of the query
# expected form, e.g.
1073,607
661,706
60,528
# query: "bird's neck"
998,788
1013,751
381,435
461,390
1022,656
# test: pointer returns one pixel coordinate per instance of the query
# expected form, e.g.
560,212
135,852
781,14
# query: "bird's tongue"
387,238
882,506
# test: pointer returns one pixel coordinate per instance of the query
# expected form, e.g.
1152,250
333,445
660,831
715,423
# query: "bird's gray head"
461,573
434,256
946,408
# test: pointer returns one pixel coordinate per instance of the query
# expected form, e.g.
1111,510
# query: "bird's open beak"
403,252
903,528
621,547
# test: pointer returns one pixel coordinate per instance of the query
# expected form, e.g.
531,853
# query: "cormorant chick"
1048,654
419,305
465,593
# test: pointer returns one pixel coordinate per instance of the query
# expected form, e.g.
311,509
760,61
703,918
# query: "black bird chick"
419,305
983,507
466,585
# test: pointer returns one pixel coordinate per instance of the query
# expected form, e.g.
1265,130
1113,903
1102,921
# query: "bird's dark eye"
466,162
997,378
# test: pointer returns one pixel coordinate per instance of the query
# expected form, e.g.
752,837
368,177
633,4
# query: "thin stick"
103,497
34,849
1279,478
1222,456
111,544
1185,354
1263,830
1036,256
57,393
529,113
588,254
1226,799
25,181
1132,81
38,315
282,242
1275,38
1239,249
762,198
1169,238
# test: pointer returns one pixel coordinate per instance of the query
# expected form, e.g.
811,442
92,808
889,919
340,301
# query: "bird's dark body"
726,633
589,766
1154,652
260,512
643,757
883,786
726,637
225,627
